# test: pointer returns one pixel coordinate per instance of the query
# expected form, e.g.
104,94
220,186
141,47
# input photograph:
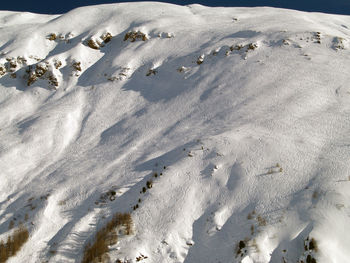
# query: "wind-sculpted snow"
222,131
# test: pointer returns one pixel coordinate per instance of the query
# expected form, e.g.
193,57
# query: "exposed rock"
106,37
40,69
135,35
92,44
200,59
97,44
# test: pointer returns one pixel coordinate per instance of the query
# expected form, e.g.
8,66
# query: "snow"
244,112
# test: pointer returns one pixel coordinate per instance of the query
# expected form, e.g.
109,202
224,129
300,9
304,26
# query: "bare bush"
149,184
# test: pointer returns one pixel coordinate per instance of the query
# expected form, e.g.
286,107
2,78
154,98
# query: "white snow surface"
254,139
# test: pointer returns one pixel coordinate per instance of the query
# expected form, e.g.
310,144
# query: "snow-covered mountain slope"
243,113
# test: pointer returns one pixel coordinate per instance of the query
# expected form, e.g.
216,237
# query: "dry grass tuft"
13,243
107,236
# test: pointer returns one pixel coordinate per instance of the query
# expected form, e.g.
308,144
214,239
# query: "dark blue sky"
62,6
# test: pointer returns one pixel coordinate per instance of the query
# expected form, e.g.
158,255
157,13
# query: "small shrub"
151,72
141,257
144,189
236,47
111,195
241,245
313,244
317,36
200,59
57,64
52,37
149,184
252,46
310,246
93,44
310,259
53,80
